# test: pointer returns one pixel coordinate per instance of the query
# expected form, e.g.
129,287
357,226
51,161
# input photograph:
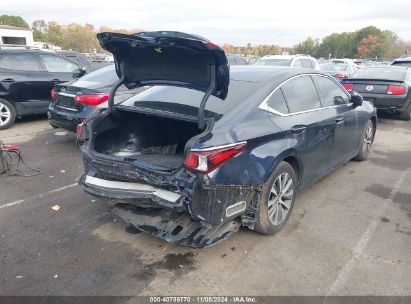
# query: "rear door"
346,139
308,124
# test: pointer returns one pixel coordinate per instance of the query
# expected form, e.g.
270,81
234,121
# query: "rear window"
275,62
334,67
167,97
103,75
389,73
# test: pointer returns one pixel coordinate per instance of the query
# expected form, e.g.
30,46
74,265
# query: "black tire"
6,108
406,115
366,141
266,224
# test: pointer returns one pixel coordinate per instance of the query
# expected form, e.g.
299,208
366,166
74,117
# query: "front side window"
277,102
331,93
58,64
301,94
20,62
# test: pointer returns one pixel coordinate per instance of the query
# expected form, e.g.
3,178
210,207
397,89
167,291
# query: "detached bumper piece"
174,227
122,191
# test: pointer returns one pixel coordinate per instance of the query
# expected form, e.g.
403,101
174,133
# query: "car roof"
265,74
406,59
398,67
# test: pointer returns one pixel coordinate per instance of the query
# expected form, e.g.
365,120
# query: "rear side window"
277,102
331,93
58,64
20,62
301,94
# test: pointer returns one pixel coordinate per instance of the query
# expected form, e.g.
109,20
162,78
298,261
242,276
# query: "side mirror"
356,99
77,73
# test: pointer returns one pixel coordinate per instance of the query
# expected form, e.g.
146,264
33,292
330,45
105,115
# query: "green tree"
309,47
13,21
55,33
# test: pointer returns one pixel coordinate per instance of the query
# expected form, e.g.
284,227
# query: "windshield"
176,98
389,73
274,61
103,77
334,67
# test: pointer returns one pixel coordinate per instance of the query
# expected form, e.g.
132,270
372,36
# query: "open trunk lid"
168,58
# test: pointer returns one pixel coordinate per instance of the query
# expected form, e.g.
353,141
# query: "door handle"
339,119
8,80
298,129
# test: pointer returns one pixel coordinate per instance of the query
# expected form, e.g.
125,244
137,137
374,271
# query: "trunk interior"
154,140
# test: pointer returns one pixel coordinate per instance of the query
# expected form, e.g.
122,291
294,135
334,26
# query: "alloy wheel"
280,199
5,114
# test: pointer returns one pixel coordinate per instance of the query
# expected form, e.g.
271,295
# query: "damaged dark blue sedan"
208,149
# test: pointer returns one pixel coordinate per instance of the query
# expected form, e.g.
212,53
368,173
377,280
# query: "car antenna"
111,105
210,90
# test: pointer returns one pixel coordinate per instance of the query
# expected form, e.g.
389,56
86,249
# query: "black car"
207,149
26,79
387,87
74,101
82,60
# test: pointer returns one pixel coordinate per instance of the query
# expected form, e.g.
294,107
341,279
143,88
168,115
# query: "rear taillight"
53,95
396,90
91,99
205,161
348,86
81,132
341,75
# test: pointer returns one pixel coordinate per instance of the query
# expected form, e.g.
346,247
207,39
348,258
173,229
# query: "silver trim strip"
65,108
264,104
219,147
66,94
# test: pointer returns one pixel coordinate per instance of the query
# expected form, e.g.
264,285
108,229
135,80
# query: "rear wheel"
277,200
7,114
406,115
367,139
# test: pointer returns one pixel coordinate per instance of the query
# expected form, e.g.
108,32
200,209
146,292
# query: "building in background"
15,35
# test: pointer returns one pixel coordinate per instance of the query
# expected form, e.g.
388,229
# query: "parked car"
387,87
402,62
82,60
295,61
235,59
198,154
338,70
26,79
74,101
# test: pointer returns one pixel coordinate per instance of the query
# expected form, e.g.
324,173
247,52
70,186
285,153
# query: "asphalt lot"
349,234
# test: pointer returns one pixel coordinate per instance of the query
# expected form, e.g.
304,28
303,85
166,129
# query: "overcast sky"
284,22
